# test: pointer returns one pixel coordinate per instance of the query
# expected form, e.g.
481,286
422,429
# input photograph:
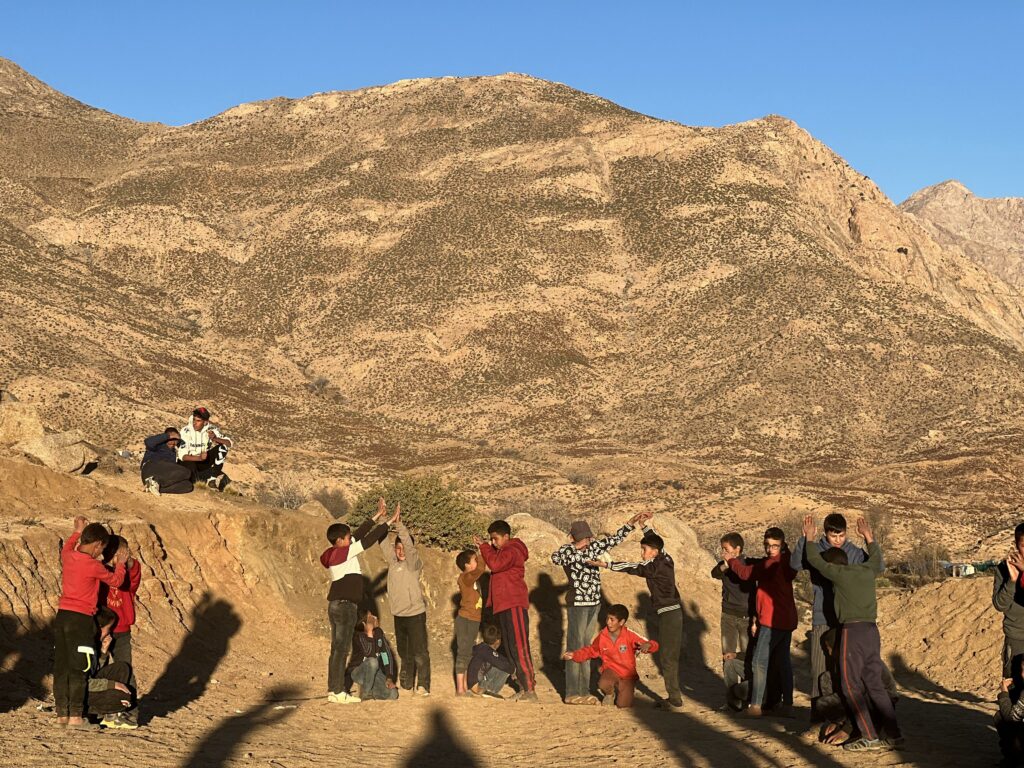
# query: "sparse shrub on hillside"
287,490
318,385
581,478
880,520
335,500
924,561
432,508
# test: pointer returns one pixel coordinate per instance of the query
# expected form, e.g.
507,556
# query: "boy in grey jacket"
409,607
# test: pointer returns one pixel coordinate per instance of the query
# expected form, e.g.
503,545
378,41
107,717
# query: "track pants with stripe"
860,671
515,640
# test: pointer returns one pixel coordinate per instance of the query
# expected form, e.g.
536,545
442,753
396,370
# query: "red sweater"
80,578
774,576
618,655
121,599
508,575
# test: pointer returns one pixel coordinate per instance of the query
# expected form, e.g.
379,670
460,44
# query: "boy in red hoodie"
75,628
509,598
776,618
616,647
121,600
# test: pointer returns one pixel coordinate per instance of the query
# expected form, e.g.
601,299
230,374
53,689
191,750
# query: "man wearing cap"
204,448
583,599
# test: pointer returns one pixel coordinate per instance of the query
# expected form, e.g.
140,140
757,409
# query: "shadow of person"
187,674
546,598
914,681
699,680
219,745
26,657
441,747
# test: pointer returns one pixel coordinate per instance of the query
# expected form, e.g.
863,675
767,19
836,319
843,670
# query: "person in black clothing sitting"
161,472
372,666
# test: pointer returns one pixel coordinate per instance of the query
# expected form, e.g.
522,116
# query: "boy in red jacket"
121,600
617,648
75,628
509,598
776,618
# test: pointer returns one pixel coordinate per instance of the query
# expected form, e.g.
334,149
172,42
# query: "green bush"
431,508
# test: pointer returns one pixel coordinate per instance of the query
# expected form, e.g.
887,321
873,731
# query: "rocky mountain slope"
512,282
988,230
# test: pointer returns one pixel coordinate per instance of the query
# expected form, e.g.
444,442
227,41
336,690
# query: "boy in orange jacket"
616,647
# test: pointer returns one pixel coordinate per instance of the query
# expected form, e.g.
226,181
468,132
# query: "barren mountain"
989,231
516,283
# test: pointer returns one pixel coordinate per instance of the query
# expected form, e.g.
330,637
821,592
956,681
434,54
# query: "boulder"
315,509
19,421
60,451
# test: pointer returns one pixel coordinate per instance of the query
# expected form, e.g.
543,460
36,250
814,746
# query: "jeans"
493,680
466,631
413,650
771,655
343,623
170,476
580,632
372,682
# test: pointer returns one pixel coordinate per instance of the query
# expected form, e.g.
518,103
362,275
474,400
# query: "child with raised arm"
737,612
584,597
121,600
348,585
860,654
657,567
823,615
776,619
1008,599
408,607
74,628
509,598
467,622
616,646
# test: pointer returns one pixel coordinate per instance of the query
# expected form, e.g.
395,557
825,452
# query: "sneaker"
865,745
895,743
670,705
153,486
213,483
529,697
608,700
343,698
119,721
421,691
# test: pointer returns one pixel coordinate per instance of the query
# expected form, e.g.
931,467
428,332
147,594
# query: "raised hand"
382,509
477,541
1006,684
865,530
397,516
80,522
809,528
1014,564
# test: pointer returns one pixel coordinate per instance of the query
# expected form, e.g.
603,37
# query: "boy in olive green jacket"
860,653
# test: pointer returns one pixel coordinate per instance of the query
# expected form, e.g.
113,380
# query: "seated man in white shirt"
203,448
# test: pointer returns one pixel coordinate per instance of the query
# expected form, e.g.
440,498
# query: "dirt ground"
231,649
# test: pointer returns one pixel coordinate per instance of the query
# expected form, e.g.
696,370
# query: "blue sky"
910,93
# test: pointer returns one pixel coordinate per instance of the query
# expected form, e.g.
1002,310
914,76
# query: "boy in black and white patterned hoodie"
584,598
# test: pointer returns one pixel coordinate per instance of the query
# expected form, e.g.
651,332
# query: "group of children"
362,656
852,693
93,677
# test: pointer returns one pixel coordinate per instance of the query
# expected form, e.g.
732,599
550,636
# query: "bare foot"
62,720
75,720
